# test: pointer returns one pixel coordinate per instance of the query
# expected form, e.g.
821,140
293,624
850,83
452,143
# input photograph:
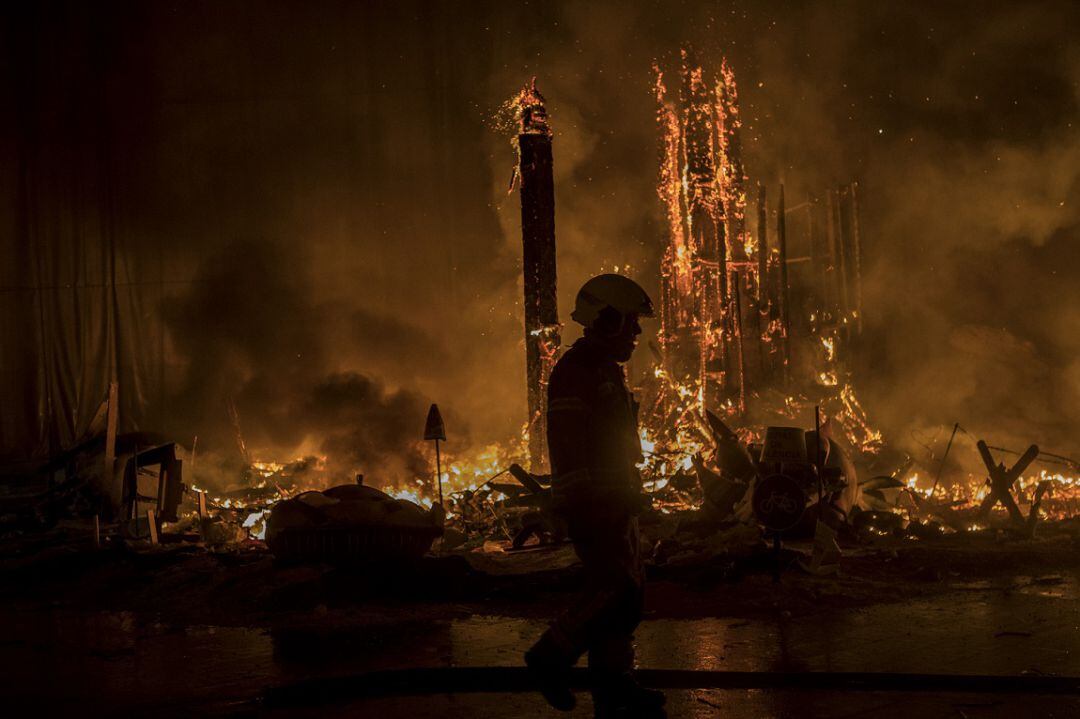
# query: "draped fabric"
225,205
77,296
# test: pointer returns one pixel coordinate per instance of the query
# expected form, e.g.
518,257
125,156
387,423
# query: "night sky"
323,191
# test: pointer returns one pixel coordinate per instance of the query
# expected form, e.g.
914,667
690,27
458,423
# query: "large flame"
709,264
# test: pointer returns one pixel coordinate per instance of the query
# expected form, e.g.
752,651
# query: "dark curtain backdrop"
79,294
237,203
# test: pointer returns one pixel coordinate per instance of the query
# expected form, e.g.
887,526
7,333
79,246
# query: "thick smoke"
970,175
267,373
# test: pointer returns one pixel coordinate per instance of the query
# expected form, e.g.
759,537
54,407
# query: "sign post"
778,503
435,430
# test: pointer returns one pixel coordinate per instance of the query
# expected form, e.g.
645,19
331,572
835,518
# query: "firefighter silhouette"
594,448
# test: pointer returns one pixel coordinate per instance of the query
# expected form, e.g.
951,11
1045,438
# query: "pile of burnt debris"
133,494
794,494
796,486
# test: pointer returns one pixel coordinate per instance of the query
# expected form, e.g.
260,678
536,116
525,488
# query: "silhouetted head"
610,307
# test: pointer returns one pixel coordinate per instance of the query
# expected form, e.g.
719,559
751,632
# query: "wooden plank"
1029,456
987,458
161,486
843,247
856,257
172,490
740,345
763,247
151,522
832,223
785,297
1001,481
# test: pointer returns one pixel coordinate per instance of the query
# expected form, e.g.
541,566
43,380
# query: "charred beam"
856,258
538,262
843,236
763,246
785,295
837,251
740,347
761,311
819,257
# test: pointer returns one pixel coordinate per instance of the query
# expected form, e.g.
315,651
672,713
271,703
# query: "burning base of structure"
700,478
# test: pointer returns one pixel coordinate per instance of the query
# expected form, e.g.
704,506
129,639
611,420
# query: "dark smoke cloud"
358,134
364,427
255,342
971,175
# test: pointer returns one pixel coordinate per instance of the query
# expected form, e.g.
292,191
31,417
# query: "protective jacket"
592,431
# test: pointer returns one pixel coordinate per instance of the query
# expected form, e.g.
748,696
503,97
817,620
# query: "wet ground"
965,626
62,659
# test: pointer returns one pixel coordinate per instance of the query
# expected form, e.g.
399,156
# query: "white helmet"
620,293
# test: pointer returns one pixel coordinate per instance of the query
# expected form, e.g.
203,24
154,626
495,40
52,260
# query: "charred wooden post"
761,311
1002,481
856,259
723,269
668,188
538,261
740,346
819,258
842,259
731,165
703,205
763,247
843,203
836,247
831,296
785,294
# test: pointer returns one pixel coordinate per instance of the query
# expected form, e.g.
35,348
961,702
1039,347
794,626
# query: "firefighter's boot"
550,665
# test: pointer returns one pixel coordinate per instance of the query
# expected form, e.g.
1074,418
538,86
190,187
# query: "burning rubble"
755,329
760,311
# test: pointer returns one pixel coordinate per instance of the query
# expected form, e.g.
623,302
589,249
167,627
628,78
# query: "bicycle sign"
778,502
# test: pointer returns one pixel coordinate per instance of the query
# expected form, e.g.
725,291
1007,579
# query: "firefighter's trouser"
603,619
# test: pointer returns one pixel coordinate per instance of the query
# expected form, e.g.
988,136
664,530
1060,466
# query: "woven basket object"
350,524
347,545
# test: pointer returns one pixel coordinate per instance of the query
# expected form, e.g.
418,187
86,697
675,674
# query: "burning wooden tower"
542,339
728,301
710,261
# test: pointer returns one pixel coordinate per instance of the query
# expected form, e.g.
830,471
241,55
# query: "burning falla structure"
753,322
741,317
759,310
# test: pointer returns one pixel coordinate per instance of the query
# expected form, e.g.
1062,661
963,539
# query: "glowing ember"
256,524
412,495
